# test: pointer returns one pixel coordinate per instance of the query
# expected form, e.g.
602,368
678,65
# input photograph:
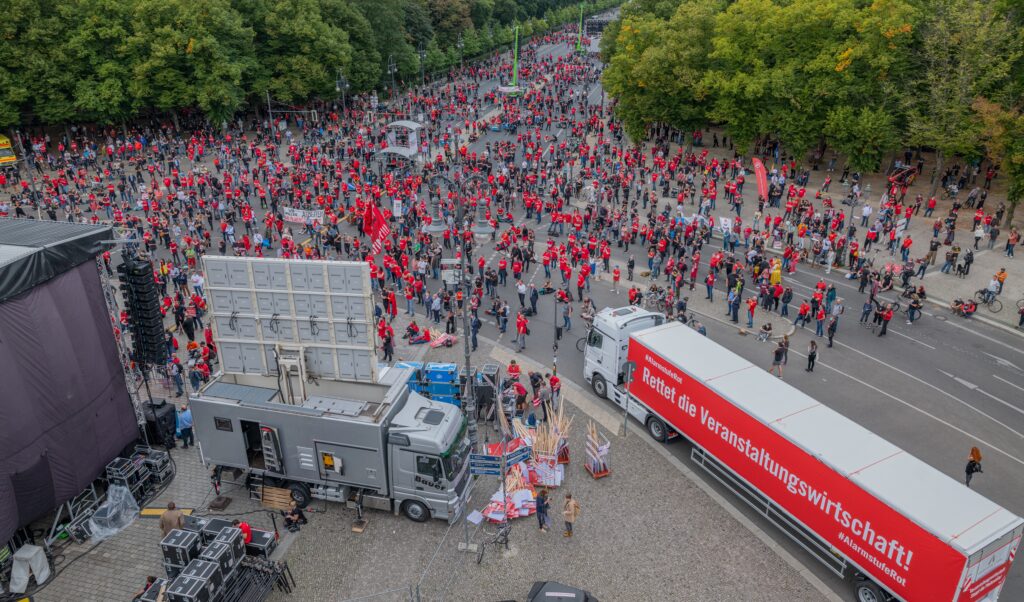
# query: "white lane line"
922,411
974,387
1008,382
901,401
940,390
922,343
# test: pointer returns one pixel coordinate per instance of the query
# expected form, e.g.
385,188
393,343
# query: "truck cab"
604,360
428,449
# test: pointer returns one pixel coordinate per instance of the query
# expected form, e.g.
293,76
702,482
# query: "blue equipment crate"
442,389
440,373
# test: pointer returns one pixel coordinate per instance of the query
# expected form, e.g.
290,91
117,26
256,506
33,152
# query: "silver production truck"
377,445
853,500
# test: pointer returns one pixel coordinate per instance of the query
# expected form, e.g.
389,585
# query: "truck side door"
420,476
600,356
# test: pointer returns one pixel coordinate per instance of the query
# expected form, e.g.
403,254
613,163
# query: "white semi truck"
374,444
844,494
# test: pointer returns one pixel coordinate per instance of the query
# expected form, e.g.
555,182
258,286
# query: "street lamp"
341,86
392,70
460,46
423,62
481,230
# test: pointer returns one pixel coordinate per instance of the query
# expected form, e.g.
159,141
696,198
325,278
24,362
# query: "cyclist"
914,311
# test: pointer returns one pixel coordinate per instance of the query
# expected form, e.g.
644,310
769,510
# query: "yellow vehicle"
7,156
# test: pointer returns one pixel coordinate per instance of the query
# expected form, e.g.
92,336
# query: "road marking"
917,409
943,391
1004,362
922,343
974,387
1008,382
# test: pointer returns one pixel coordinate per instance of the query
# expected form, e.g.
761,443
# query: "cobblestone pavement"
645,530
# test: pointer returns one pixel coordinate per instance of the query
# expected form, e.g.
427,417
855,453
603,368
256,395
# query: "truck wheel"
657,429
300,494
600,386
415,511
867,591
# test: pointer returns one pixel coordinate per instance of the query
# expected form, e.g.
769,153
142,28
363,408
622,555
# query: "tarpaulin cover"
33,251
65,411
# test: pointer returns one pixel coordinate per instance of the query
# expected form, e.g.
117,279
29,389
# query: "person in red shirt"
616,276
751,306
244,528
804,314
522,330
513,370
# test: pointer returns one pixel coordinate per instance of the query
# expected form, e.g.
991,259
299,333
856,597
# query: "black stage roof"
34,251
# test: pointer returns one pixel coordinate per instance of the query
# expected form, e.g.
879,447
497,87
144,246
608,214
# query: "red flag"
762,179
368,218
381,230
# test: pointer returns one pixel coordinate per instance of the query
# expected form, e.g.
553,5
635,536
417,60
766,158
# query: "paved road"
935,388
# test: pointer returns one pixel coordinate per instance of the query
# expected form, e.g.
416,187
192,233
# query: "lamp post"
460,45
341,86
392,70
481,230
423,63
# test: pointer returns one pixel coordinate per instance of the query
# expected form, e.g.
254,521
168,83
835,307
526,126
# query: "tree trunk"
1008,221
937,174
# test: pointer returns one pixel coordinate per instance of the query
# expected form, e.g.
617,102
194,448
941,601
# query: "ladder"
254,483
291,361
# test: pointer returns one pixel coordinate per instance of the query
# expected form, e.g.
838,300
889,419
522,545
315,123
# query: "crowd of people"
548,171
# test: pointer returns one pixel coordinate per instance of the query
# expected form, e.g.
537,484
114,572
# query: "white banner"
397,211
301,216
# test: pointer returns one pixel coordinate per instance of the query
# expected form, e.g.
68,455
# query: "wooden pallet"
597,475
276,498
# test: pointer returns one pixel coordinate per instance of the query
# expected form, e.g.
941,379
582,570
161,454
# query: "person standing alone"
973,465
185,426
570,512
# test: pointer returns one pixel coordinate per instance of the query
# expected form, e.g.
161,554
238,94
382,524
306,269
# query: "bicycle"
581,343
501,537
990,301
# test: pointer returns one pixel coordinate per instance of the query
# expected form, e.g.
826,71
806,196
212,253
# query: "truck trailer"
377,445
844,494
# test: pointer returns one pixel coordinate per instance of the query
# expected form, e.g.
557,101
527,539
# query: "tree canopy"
864,76
107,61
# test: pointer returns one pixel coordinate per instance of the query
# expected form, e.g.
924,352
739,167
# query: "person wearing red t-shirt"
244,528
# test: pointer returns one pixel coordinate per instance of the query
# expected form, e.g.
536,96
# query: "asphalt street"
935,388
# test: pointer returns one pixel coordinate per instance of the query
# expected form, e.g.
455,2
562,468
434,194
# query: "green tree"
16,28
863,135
190,54
298,50
364,68
418,23
94,42
450,18
968,50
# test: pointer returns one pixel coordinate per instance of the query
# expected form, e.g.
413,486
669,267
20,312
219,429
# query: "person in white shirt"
865,213
197,283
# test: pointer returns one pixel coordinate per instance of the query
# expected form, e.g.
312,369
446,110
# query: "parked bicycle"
500,538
